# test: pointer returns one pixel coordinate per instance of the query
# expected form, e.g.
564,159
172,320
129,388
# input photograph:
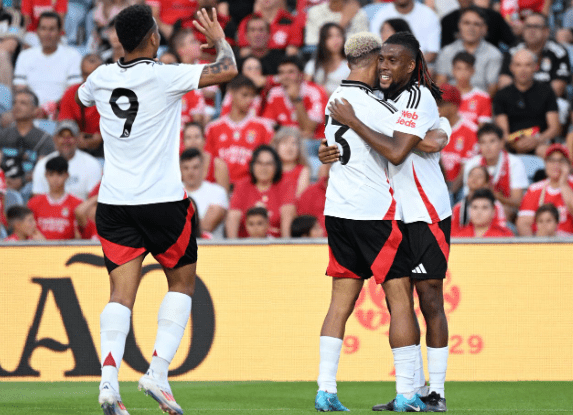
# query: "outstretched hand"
328,154
342,111
210,28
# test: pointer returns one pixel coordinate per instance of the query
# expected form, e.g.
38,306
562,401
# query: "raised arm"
395,148
225,67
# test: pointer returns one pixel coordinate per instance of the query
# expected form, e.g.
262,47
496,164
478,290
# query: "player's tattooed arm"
225,61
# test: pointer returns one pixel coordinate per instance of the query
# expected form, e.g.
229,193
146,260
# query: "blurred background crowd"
249,150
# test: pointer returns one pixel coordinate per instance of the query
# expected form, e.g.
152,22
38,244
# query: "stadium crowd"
249,151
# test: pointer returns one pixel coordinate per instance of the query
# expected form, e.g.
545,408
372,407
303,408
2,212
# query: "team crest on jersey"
545,65
251,135
280,37
236,135
473,104
65,212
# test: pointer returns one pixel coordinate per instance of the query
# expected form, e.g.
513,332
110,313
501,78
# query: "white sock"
114,327
330,348
419,376
171,322
404,363
437,366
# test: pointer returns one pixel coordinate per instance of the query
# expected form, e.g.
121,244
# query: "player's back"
358,187
140,107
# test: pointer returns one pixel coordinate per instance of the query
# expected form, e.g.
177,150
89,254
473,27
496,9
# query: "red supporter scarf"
500,177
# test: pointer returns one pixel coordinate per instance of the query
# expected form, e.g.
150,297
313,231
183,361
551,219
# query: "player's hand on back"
210,28
328,154
342,111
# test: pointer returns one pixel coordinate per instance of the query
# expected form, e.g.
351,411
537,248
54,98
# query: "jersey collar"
357,84
134,62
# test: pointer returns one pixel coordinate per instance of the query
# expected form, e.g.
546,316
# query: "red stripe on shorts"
385,258
441,238
171,257
336,270
119,254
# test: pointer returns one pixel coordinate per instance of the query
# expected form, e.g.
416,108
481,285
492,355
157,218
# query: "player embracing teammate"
400,238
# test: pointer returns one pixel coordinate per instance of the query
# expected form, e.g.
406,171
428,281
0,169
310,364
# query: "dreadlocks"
420,75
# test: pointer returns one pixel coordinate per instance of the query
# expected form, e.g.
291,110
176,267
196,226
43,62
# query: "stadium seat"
532,165
5,99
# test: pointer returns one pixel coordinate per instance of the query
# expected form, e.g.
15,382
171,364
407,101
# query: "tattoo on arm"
225,59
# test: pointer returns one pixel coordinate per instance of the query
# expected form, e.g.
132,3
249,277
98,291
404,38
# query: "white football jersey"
139,103
419,186
358,187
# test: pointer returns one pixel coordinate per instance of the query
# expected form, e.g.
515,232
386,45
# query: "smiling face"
395,66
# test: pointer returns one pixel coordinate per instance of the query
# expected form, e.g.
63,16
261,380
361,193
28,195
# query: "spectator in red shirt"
311,202
87,119
507,172
286,30
546,220
55,211
463,141
478,178
233,137
168,12
296,102
263,188
306,226
85,215
257,222
21,221
32,9
215,168
476,104
482,215
287,143
556,189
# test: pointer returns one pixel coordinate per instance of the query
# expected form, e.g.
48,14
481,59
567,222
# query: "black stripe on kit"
415,95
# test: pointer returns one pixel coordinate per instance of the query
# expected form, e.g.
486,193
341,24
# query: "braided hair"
420,75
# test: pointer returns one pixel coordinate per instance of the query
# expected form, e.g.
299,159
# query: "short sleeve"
61,6
39,182
309,68
240,196
431,42
180,78
21,70
505,64
494,66
85,92
318,101
443,63
528,204
551,103
419,115
220,197
93,170
518,178
288,192
74,68
499,104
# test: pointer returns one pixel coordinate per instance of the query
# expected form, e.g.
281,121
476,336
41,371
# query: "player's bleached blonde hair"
361,45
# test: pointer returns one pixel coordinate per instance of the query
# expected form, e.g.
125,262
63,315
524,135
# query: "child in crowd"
257,222
21,220
306,226
547,220
476,104
482,215
54,211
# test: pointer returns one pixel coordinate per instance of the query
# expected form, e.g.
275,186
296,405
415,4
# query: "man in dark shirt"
498,31
22,140
526,110
552,58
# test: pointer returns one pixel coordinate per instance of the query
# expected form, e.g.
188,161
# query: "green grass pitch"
259,398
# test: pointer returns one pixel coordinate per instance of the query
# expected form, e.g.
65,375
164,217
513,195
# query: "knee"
432,306
120,298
